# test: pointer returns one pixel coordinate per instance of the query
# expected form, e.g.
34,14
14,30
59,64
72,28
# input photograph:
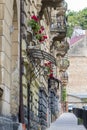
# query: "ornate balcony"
41,55
61,47
58,27
50,3
64,64
62,8
61,11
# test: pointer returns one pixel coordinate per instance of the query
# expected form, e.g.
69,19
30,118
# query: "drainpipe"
28,105
21,109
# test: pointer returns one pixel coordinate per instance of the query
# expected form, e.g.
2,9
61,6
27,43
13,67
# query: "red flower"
49,63
51,70
45,37
51,75
42,28
40,40
45,64
40,31
35,18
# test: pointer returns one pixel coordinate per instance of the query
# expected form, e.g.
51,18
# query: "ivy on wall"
64,94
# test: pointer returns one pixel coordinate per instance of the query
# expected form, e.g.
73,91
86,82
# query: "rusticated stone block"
1,27
1,11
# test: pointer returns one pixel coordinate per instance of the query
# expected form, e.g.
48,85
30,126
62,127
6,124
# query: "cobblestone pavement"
67,121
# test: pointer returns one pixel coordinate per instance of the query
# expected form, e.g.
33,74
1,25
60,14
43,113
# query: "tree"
76,19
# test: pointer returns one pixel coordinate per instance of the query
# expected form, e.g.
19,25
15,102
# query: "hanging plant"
37,29
34,23
48,67
40,37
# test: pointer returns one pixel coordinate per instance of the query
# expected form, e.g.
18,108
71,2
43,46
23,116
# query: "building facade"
77,84
33,62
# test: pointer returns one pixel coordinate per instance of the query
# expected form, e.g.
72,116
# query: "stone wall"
8,54
77,102
77,70
77,75
5,55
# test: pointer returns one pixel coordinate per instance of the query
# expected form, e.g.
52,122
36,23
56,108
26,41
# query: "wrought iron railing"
58,24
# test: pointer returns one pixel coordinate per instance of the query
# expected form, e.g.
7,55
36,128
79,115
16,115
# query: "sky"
76,5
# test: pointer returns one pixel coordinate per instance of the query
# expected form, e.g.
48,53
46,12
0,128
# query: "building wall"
9,59
77,75
77,70
8,53
77,102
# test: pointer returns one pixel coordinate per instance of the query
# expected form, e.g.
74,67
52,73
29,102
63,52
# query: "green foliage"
84,100
76,19
39,36
37,28
35,25
80,121
64,94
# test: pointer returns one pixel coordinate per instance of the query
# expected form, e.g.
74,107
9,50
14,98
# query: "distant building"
77,71
78,31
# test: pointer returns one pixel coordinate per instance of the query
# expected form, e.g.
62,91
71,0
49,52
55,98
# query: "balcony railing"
58,23
58,27
40,54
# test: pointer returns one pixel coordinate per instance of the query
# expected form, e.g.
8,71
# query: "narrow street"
43,65
67,121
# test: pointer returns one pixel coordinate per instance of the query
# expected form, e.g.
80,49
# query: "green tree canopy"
76,19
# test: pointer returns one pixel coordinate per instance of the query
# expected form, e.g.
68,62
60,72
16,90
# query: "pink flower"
35,18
